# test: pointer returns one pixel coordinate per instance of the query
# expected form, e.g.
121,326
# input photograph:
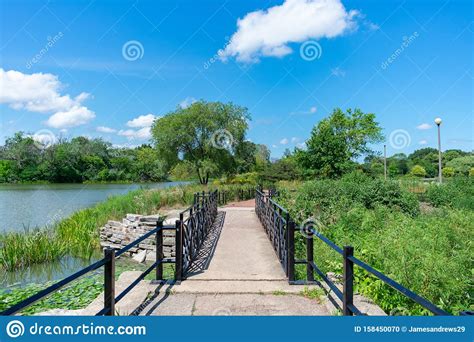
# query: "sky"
109,68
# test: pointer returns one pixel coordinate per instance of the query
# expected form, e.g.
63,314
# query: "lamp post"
440,171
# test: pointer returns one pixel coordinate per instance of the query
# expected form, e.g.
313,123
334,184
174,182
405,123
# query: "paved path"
239,275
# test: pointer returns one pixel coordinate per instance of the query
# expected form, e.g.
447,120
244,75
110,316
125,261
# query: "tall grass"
78,235
430,253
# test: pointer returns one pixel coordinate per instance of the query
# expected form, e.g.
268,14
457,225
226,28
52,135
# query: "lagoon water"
26,206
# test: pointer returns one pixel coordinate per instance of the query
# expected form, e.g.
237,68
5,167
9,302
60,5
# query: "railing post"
291,250
348,281
159,250
109,281
178,271
309,257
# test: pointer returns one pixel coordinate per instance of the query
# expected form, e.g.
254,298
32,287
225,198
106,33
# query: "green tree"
338,140
462,165
418,171
206,134
448,171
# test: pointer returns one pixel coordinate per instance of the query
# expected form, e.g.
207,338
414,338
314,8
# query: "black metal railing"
280,230
195,224
190,231
276,221
108,262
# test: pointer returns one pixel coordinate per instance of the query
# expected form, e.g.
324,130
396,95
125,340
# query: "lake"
24,206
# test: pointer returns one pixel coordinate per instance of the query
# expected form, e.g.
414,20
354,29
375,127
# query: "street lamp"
440,174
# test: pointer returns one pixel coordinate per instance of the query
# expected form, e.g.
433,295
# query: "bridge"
237,259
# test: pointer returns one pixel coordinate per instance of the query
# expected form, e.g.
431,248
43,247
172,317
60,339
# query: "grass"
428,252
312,293
78,235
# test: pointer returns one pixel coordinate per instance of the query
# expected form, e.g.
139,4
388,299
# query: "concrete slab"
244,251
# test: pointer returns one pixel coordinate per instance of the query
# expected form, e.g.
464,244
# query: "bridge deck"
237,273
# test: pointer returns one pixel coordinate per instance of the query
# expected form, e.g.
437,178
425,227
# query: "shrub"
448,171
418,171
458,192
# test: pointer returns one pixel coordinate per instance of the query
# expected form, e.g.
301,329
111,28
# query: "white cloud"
284,141
41,93
187,102
104,129
295,140
423,142
313,109
301,145
424,126
142,121
73,117
140,134
269,32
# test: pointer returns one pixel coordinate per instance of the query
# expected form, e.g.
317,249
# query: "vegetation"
207,135
23,159
78,235
428,252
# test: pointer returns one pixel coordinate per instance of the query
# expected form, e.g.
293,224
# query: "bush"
455,193
448,172
418,171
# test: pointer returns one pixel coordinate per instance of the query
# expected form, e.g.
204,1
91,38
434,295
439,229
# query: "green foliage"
418,171
206,134
458,192
75,161
337,140
448,171
427,253
462,165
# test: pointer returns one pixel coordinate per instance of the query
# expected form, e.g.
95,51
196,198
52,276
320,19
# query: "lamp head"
438,121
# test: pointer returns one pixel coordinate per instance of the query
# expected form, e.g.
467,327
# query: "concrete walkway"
240,275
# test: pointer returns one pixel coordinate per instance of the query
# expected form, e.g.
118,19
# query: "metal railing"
195,223
190,230
110,298
275,220
280,230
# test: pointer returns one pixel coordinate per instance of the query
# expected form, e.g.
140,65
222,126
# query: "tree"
462,165
338,140
418,171
448,171
206,134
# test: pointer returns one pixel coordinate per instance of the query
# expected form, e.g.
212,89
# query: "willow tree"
206,134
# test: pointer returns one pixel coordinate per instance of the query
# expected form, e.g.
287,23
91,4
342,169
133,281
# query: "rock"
140,256
132,217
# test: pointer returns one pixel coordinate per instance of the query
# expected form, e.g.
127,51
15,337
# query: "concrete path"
239,274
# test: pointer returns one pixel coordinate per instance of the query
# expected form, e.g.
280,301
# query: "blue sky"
65,69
